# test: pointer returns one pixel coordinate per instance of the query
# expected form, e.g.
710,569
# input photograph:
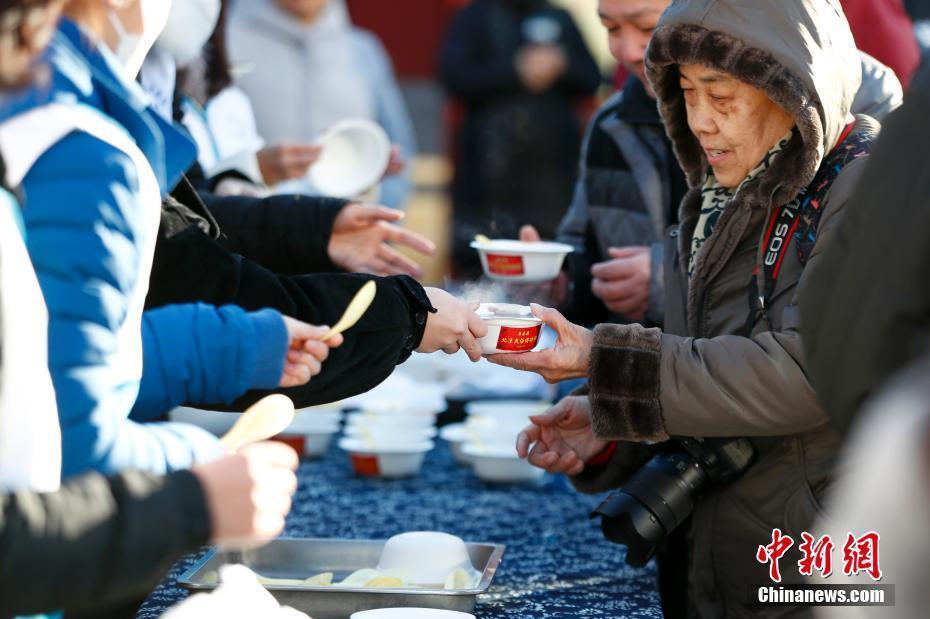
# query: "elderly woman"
755,98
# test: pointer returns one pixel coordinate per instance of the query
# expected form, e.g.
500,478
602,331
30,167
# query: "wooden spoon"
266,418
356,309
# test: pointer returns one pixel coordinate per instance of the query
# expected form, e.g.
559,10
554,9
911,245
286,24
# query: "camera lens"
651,505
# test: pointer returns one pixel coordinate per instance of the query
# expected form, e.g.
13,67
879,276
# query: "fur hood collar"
799,52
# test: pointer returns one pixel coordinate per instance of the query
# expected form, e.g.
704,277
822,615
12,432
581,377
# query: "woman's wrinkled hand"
567,359
560,440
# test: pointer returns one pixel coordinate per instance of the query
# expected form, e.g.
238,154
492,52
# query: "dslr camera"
661,495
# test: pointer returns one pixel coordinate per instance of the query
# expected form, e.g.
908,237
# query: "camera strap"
798,220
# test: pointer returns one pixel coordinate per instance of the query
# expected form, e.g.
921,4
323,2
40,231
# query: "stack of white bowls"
388,444
486,440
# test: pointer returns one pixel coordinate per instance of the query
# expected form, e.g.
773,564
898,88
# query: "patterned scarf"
715,198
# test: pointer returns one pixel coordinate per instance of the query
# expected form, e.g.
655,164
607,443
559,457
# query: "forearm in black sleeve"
191,267
96,541
287,234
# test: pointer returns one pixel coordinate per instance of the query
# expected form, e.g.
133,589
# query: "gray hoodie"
301,79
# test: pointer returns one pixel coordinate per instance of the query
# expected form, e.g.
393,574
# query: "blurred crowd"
746,288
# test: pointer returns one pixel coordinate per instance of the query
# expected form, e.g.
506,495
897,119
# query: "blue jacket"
86,231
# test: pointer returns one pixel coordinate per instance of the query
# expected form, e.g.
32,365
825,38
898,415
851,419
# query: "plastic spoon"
266,418
482,238
356,309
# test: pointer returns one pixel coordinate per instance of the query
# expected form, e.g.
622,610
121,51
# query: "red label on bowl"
518,338
367,466
505,265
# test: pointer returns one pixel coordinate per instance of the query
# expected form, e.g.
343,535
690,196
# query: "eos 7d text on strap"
799,219
777,239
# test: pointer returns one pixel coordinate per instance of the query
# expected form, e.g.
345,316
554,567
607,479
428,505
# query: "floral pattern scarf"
715,198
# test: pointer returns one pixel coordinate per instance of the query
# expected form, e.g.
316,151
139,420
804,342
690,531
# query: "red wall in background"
411,30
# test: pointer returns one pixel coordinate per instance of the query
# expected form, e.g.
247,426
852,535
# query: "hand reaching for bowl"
360,239
561,440
454,326
248,493
623,282
567,359
286,161
306,352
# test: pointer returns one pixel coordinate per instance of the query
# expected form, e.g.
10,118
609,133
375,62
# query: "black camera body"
661,495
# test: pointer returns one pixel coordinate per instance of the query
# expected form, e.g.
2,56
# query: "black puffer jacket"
192,265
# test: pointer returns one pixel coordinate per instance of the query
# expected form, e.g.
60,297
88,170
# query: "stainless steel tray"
300,558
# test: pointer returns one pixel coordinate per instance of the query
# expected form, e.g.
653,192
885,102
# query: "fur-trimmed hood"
799,52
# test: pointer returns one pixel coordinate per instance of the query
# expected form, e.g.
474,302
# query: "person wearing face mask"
311,233
286,252
48,529
93,181
218,114
308,67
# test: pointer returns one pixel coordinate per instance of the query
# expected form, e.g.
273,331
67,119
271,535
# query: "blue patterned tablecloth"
556,563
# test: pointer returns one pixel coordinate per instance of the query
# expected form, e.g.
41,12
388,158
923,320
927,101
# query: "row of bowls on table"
486,440
395,444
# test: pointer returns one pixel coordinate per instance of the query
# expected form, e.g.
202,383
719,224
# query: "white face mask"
132,47
190,25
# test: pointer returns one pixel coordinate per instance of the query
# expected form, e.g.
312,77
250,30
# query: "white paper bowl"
500,464
410,613
510,335
511,328
386,460
353,159
425,557
519,261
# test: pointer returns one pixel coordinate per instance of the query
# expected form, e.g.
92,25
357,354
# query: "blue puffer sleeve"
200,354
84,228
